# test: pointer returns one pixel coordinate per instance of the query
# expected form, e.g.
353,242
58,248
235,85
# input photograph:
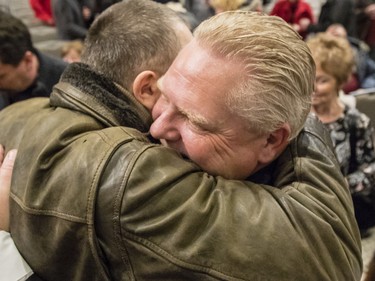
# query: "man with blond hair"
235,101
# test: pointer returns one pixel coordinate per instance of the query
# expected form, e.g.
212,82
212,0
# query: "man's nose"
165,127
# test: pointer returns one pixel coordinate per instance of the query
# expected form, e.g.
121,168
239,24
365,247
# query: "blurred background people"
350,130
71,51
187,16
334,11
100,5
254,5
199,8
72,18
297,13
316,6
220,6
363,75
42,11
365,23
24,71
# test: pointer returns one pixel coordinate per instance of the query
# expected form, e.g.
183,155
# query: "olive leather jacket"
93,199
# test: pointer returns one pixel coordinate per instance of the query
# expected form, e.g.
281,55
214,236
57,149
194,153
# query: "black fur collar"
100,95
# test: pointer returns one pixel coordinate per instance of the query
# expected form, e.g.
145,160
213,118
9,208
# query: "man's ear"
275,144
28,58
30,66
145,88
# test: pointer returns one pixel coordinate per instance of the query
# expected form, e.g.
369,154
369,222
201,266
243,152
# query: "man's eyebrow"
195,118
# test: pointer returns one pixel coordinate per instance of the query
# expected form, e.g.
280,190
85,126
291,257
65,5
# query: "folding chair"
365,102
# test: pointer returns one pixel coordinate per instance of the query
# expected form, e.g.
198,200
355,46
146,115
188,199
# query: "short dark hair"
15,39
131,36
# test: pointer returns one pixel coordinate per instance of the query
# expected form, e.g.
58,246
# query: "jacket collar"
82,89
298,147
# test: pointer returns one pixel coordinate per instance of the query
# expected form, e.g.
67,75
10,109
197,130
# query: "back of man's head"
279,71
132,36
15,39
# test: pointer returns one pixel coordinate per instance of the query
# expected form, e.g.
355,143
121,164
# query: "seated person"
365,23
199,8
71,51
350,130
334,12
101,5
179,8
43,11
297,13
220,6
71,18
24,71
363,75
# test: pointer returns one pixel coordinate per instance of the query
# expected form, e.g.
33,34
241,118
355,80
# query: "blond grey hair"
333,54
279,71
226,5
132,36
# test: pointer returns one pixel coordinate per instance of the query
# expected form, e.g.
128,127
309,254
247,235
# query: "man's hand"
6,169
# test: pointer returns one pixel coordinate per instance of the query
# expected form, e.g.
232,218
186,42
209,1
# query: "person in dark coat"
334,12
365,23
43,11
70,18
24,71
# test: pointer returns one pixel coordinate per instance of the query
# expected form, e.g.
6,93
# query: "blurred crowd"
353,19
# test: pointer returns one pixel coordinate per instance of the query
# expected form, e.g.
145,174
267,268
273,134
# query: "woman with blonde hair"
231,5
350,130
71,51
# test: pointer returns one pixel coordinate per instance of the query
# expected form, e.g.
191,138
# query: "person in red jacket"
42,10
297,13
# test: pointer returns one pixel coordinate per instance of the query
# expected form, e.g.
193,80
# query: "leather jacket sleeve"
164,219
